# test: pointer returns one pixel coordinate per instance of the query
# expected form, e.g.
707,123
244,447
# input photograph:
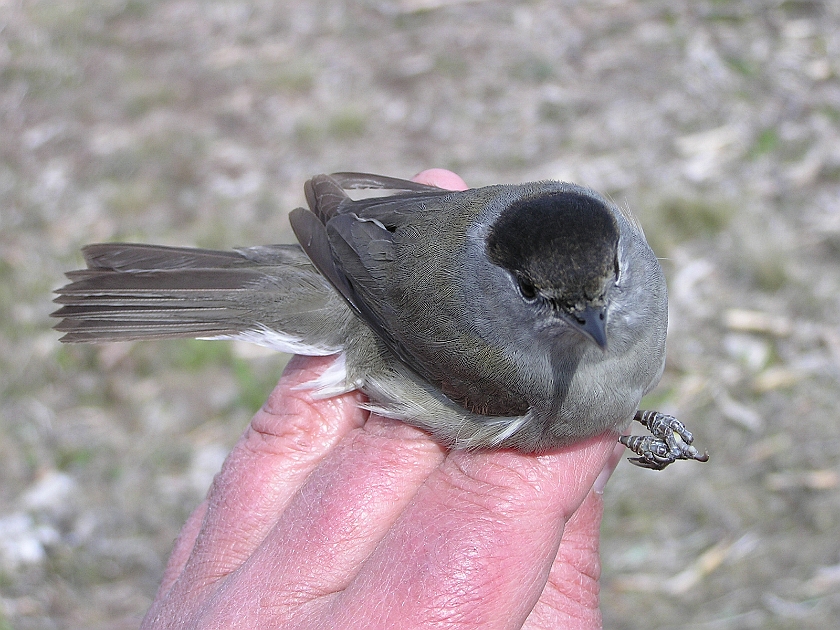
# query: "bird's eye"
526,288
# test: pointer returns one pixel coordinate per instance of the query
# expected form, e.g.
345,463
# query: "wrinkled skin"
325,516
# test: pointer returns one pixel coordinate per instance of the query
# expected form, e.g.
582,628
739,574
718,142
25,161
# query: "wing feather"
359,181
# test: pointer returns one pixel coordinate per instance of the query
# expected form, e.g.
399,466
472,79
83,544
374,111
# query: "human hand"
325,516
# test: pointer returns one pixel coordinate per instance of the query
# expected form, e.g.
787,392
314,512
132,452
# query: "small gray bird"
526,317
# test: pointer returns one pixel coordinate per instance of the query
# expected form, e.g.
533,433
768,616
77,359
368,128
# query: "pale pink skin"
325,516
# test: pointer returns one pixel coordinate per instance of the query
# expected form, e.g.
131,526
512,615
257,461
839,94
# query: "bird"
528,316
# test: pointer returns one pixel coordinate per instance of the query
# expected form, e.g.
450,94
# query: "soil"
196,123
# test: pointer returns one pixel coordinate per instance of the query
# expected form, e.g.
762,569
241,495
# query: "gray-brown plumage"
527,316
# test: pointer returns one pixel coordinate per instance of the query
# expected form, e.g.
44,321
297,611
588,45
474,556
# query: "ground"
196,123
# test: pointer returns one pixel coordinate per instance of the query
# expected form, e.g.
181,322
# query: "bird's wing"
352,244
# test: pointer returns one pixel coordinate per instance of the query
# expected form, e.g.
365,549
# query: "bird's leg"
668,442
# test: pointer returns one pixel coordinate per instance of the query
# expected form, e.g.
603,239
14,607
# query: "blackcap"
524,316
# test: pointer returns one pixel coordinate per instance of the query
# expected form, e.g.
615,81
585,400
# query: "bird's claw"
668,442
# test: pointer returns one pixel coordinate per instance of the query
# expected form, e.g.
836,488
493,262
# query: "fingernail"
609,468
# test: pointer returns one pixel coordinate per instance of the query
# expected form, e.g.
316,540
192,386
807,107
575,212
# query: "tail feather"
106,305
271,295
128,311
139,256
99,330
186,282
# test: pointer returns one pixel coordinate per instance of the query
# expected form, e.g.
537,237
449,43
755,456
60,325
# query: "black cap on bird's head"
562,249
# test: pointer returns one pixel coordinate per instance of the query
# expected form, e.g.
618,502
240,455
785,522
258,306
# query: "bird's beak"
592,322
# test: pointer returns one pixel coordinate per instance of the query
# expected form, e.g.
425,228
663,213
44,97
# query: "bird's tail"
271,295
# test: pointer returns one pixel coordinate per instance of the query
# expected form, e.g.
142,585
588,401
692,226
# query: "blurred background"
196,123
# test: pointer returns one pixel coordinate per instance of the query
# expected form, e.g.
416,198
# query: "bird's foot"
668,442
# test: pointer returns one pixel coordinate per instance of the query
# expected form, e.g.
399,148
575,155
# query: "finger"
441,178
571,595
183,548
334,522
285,441
476,545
